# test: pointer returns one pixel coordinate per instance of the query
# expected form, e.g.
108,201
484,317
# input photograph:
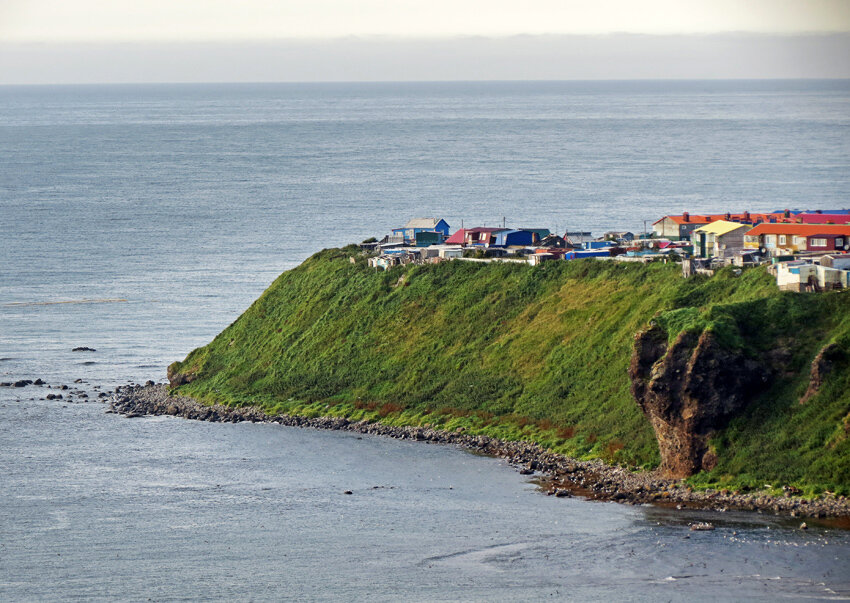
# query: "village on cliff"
806,250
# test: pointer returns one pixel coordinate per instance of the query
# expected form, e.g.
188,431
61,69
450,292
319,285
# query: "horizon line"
428,81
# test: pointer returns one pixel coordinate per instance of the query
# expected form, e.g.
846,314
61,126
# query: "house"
680,227
516,238
577,237
457,238
409,231
821,218
720,239
783,238
554,241
619,235
482,236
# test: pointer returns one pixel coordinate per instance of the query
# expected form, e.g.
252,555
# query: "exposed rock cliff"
688,390
822,365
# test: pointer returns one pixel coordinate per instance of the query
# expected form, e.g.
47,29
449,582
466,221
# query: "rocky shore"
559,475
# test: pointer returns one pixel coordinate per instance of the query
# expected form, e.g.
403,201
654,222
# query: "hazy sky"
146,20
70,41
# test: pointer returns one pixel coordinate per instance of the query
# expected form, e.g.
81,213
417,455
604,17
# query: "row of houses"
739,238
681,226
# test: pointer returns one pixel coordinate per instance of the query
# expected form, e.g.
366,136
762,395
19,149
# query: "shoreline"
558,475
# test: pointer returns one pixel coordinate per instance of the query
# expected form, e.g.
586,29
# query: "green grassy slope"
534,353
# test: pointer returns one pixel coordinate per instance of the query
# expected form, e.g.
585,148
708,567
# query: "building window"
782,239
799,240
839,242
818,242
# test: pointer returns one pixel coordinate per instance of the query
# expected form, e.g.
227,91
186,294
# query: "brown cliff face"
822,365
688,390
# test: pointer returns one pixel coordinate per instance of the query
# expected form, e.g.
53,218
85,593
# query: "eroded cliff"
688,390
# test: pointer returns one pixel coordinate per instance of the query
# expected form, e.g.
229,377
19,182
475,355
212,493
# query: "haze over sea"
186,201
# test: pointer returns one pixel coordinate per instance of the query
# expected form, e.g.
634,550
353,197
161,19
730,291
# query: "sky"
65,41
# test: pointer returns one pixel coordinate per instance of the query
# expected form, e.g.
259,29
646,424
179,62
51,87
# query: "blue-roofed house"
409,231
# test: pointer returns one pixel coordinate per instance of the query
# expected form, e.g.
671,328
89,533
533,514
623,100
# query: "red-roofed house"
481,236
458,237
680,227
783,238
823,218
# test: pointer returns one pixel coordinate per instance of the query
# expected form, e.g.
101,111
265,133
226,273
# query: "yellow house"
720,239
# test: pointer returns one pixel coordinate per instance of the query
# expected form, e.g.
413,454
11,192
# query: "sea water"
141,220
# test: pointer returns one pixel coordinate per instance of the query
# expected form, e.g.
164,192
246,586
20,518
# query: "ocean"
140,220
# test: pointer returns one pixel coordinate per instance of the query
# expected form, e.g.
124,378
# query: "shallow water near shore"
141,220
95,505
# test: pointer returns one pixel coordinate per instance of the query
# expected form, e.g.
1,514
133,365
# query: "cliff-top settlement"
648,355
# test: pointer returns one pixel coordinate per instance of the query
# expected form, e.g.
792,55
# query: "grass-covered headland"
542,354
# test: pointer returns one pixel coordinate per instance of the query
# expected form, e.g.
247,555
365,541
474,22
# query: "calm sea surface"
185,202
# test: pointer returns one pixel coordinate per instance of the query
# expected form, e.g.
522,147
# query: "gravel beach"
558,475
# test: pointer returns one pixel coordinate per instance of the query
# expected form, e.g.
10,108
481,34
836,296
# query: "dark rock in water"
64,387
348,492
688,390
38,382
102,395
78,380
702,526
526,472
51,396
83,349
22,383
149,383
5,384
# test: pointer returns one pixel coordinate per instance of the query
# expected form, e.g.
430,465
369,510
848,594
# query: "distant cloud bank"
543,57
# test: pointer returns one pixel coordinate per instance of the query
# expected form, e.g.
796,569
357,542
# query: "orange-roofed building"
679,228
784,238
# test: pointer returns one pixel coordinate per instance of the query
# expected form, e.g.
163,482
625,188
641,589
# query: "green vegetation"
534,353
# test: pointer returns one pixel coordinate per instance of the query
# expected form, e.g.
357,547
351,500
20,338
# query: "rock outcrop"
176,378
688,390
822,365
